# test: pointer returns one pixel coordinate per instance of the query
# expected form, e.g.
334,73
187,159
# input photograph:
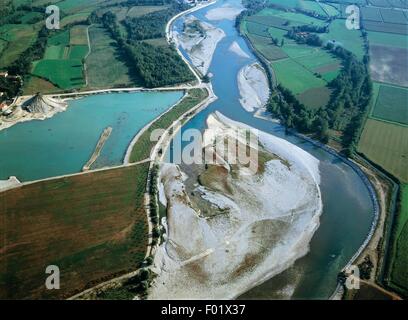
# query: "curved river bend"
348,210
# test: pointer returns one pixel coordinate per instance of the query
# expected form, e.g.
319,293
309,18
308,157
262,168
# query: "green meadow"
295,77
66,74
351,40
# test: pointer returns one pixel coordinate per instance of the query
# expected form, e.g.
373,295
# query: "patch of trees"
310,39
346,110
311,28
351,96
140,283
10,86
11,15
287,107
7,9
365,268
22,65
156,66
194,27
152,25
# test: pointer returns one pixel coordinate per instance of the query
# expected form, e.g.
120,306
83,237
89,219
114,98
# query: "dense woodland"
156,65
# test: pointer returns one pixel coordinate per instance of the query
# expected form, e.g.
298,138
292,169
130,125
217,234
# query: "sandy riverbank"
253,87
200,45
235,48
258,226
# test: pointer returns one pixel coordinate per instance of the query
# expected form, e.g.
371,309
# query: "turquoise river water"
64,143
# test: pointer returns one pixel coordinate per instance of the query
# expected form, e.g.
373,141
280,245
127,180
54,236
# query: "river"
348,210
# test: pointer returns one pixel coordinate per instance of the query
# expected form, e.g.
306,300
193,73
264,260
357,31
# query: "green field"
399,260
19,38
104,67
300,4
351,40
92,226
391,104
387,145
62,61
387,39
66,74
73,6
74,18
138,11
35,85
78,35
312,6
54,52
60,38
308,69
296,77
265,47
78,52
330,9
293,17
257,29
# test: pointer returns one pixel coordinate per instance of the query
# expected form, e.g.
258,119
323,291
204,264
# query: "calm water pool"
64,143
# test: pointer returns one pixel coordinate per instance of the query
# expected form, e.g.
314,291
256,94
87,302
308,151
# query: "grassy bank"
398,272
142,148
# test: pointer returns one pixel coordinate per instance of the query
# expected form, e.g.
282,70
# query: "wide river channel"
348,209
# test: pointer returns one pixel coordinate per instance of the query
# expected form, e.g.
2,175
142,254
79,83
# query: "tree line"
345,111
156,66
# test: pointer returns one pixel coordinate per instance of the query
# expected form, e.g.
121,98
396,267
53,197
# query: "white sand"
10,183
267,224
253,87
43,109
226,12
235,48
201,48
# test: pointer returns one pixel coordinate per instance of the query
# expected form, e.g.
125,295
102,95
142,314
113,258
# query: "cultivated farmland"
399,260
303,69
92,226
385,27
393,16
293,17
388,39
66,74
387,145
18,38
351,40
389,64
372,14
266,48
295,77
78,35
105,69
62,62
391,104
